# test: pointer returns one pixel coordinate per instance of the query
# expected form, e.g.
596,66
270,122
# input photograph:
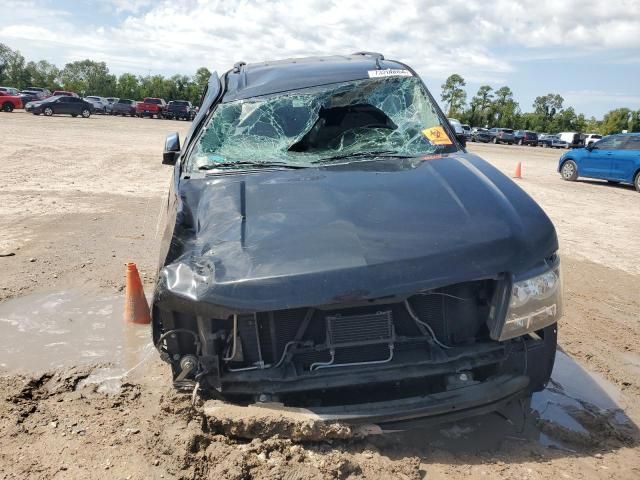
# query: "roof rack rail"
376,55
238,65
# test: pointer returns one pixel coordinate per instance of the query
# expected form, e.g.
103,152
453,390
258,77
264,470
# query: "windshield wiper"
382,153
213,166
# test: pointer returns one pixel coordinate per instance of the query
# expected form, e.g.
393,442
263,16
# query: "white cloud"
470,37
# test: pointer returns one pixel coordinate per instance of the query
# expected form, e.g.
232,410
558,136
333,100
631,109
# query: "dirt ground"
79,198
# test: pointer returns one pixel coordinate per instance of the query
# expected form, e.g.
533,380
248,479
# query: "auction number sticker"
437,135
389,72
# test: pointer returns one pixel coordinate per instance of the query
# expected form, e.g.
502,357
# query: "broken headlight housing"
534,303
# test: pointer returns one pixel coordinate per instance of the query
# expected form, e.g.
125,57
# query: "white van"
573,139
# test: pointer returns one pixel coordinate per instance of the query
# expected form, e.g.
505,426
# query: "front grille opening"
457,315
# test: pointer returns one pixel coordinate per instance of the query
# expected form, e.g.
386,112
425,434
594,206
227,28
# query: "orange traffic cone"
518,172
136,309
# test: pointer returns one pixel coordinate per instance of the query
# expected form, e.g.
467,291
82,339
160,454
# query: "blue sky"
588,51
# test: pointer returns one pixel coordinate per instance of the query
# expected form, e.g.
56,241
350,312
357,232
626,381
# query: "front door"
596,163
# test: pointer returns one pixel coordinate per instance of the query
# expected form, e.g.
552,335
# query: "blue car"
615,158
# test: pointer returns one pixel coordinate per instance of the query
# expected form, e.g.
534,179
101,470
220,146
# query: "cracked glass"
380,116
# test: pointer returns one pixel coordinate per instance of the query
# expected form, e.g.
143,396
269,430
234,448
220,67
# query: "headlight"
535,303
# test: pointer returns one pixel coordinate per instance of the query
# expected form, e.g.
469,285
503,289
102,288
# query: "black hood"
268,240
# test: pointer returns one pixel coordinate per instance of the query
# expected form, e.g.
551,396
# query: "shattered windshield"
380,116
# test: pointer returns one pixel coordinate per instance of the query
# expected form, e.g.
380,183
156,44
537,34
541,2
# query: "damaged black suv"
329,244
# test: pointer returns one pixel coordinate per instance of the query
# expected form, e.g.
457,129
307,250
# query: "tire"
495,140
636,182
74,115
7,107
520,142
86,113
545,145
48,111
569,171
510,143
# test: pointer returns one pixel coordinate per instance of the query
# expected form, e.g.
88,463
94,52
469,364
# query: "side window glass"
632,143
604,144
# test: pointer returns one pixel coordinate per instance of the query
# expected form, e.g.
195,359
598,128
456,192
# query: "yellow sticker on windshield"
437,135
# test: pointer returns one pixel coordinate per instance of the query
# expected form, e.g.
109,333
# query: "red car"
150,107
9,102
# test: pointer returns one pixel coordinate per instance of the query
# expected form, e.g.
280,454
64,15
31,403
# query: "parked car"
179,109
63,105
99,104
501,135
10,90
467,131
9,102
319,254
29,96
151,107
590,138
110,102
479,134
124,106
526,137
615,158
64,93
459,131
42,92
572,139
552,141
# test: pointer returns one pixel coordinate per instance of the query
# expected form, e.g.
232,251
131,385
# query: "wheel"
86,113
48,111
74,115
520,142
495,139
7,107
36,113
545,145
636,182
569,171
510,143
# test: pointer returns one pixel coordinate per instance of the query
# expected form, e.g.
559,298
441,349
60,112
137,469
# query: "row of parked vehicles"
532,139
39,100
522,137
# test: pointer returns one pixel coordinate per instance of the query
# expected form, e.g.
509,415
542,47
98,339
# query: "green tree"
43,74
87,77
128,86
479,107
505,109
12,68
546,107
453,95
620,119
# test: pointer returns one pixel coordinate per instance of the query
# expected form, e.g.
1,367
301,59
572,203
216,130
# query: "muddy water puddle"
43,331
578,410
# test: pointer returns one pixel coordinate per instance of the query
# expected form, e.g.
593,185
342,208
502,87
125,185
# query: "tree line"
87,77
488,107
497,108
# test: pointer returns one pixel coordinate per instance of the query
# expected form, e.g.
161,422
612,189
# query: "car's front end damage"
377,291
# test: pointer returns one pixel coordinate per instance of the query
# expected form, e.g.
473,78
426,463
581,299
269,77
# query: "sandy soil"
79,198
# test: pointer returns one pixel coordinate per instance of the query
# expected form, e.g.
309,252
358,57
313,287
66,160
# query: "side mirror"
589,146
171,149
